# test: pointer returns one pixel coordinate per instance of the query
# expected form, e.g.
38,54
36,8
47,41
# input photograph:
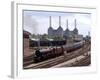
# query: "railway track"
84,62
77,61
30,59
60,59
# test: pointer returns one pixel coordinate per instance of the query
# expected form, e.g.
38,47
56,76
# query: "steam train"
44,54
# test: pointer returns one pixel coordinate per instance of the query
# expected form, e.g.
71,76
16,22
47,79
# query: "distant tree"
33,35
44,37
57,38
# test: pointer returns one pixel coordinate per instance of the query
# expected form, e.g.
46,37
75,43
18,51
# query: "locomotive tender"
44,54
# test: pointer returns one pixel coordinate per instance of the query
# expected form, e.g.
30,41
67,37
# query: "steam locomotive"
44,54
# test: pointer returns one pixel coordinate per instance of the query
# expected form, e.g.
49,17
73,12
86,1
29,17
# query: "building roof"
60,28
67,30
75,30
26,34
50,28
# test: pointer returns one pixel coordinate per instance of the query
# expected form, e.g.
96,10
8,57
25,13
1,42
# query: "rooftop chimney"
67,23
59,20
50,21
75,23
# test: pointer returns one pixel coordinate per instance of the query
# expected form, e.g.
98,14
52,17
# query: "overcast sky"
37,22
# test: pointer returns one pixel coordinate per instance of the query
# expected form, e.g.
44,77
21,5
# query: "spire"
59,20
75,23
67,23
50,21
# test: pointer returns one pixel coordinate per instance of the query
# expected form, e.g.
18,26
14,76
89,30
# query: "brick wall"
26,47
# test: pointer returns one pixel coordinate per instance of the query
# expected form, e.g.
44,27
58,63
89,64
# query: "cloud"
37,22
83,18
30,24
